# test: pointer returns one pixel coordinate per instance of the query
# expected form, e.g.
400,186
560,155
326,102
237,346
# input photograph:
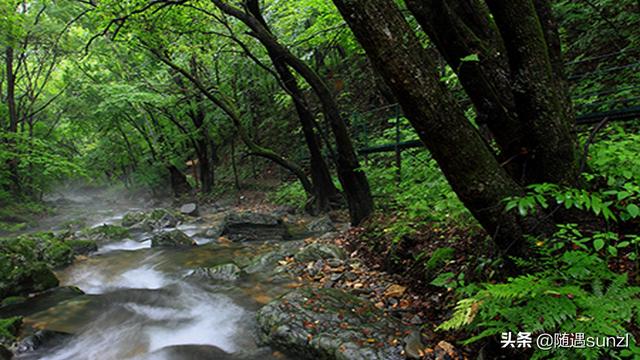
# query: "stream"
140,303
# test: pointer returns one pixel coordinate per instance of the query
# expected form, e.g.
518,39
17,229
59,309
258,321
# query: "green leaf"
633,210
598,244
470,58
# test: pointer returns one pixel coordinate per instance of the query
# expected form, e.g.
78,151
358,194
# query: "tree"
466,159
352,178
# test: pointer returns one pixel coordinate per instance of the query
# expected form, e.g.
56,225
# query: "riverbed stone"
41,338
190,209
321,225
318,251
329,324
252,226
174,238
223,272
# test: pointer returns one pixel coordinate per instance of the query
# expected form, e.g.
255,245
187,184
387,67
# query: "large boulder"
224,272
329,324
174,238
104,233
251,226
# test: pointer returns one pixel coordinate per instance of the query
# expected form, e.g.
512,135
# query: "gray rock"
224,272
41,338
317,251
191,352
329,324
251,226
174,238
190,209
321,225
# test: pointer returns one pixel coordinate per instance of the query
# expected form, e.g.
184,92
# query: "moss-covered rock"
106,232
26,261
329,324
175,238
154,219
439,258
223,272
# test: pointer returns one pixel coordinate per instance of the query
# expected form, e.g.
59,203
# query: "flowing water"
139,303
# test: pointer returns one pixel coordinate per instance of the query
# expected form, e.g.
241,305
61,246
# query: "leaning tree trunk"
462,29
353,179
323,185
179,183
540,98
464,157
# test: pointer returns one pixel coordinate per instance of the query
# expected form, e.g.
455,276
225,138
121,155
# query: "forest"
319,179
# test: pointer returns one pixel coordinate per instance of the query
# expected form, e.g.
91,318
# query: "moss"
109,232
9,328
439,258
12,300
132,218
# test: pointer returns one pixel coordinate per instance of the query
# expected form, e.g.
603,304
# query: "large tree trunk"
463,155
463,28
539,96
352,178
323,185
179,183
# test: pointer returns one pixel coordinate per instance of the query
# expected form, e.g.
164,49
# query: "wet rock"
321,225
190,209
174,238
133,217
268,261
329,324
224,272
317,251
191,352
104,233
251,226
30,278
41,338
148,221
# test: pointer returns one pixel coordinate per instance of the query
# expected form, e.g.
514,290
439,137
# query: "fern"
579,295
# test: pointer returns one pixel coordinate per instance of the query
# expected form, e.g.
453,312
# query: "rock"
321,225
317,251
5,354
251,226
189,209
35,278
329,324
446,351
133,217
224,272
82,247
174,238
148,221
191,352
104,233
413,346
41,338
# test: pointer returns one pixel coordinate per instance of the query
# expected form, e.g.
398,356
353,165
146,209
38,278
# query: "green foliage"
9,328
290,194
580,294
